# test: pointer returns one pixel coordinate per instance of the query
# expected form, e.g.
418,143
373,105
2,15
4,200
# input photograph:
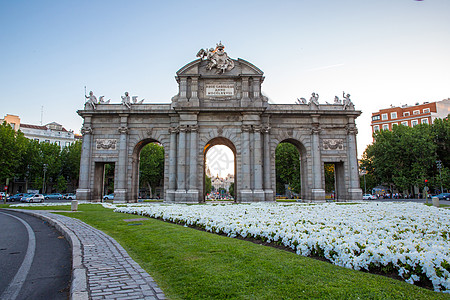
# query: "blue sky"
381,52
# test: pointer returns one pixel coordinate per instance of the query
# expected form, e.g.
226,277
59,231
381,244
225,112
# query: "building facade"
411,116
52,133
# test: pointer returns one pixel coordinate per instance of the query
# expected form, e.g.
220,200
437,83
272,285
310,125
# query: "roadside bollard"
435,201
74,205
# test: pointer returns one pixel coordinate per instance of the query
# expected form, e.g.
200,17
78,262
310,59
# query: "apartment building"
53,133
407,115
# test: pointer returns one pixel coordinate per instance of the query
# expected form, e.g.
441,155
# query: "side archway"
135,167
302,172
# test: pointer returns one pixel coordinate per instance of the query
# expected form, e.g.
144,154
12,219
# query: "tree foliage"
26,159
406,156
208,184
287,165
151,166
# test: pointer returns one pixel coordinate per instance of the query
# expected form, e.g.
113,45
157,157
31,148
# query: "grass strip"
192,264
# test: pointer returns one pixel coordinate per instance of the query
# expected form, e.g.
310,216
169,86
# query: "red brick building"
411,116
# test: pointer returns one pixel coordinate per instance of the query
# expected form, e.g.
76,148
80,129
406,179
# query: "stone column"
194,101
245,188
258,192
170,194
256,86
317,192
183,89
180,195
245,92
354,189
267,165
84,189
193,191
120,190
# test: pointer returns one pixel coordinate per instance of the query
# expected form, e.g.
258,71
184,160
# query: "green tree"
151,166
208,185
49,159
12,145
231,190
402,158
287,165
329,178
70,162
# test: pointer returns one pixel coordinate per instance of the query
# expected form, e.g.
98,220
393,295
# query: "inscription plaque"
219,89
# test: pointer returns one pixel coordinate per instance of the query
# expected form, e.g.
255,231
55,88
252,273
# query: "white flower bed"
411,238
47,204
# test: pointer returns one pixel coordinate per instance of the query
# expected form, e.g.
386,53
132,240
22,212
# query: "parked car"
54,196
2,195
443,196
70,196
33,198
16,197
108,197
369,197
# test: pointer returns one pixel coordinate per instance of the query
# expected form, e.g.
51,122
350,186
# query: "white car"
369,197
33,198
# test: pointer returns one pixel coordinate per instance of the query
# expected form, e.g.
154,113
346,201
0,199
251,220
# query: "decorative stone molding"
219,130
194,128
182,128
246,128
105,144
257,128
149,131
86,130
123,129
333,144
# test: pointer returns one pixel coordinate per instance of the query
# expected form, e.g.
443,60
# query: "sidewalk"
101,268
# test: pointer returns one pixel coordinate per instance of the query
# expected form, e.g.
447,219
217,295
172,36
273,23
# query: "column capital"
183,128
246,128
257,128
86,130
315,129
173,129
123,129
194,128
265,129
351,129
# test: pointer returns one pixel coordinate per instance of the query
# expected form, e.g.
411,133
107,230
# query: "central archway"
216,142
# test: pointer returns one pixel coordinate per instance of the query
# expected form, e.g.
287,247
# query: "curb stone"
90,280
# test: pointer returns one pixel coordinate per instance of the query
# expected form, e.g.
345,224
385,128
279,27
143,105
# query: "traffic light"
426,181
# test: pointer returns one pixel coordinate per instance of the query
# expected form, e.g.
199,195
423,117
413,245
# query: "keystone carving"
123,129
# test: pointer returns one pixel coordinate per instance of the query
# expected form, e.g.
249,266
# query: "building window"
426,110
376,128
405,114
394,124
67,144
385,126
58,143
416,112
375,118
424,121
384,117
414,123
405,123
47,141
393,115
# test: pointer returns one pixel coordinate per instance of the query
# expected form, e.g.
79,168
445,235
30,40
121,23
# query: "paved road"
35,259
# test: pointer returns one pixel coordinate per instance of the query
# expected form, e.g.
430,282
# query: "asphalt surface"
35,259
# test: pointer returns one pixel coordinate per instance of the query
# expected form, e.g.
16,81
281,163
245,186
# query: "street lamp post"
43,183
439,166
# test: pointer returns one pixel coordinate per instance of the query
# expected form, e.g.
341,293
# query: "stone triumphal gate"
219,102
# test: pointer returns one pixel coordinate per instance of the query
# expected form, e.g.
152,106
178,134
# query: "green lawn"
192,264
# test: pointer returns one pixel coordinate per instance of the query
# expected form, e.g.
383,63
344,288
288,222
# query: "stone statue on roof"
217,58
